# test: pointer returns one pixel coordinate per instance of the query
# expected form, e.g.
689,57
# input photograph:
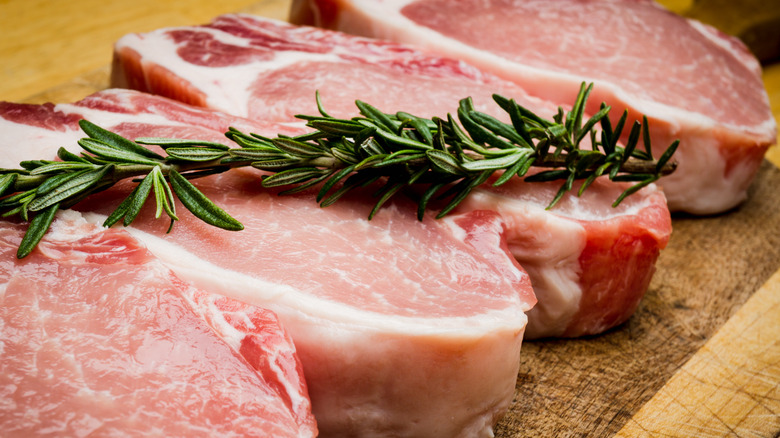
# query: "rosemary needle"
448,157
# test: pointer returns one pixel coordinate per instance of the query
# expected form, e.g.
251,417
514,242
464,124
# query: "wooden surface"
730,385
711,267
700,358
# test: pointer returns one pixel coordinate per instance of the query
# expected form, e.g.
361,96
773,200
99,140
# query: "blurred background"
755,22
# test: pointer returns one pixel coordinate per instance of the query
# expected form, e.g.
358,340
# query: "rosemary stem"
28,182
123,171
204,165
632,165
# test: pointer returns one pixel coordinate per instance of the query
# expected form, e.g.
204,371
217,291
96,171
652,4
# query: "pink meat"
402,327
589,263
268,70
693,82
282,66
100,339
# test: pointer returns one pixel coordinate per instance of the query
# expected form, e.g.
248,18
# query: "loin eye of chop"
99,338
693,83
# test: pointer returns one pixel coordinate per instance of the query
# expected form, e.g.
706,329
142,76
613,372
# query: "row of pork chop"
403,328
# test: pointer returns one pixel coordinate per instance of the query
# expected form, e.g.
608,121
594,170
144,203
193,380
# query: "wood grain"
729,387
693,361
89,80
594,386
49,42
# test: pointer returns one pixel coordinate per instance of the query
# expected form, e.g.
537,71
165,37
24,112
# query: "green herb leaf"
116,141
298,148
444,162
106,152
65,155
6,182
333,180
292,176
203,208
391,189
138,198
492,163
667,155
58,166
37,229
336,127
631,190
73,186
120,211
196,154
166,143
162,195
382,120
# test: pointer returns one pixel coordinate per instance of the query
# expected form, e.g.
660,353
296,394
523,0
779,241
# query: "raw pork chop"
693,82
590,264
269,70
256,60
404,328
100,339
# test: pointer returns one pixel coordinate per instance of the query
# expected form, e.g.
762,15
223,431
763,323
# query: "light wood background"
56,50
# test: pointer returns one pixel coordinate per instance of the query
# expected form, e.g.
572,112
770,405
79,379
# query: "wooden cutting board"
701,356
694,360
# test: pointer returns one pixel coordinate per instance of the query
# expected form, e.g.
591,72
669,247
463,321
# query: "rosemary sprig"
453,156
43,187
448,157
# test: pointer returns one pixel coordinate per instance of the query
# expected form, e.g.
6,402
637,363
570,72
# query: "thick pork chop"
404,328
271,70
100,339
693,82
268,70
590,264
